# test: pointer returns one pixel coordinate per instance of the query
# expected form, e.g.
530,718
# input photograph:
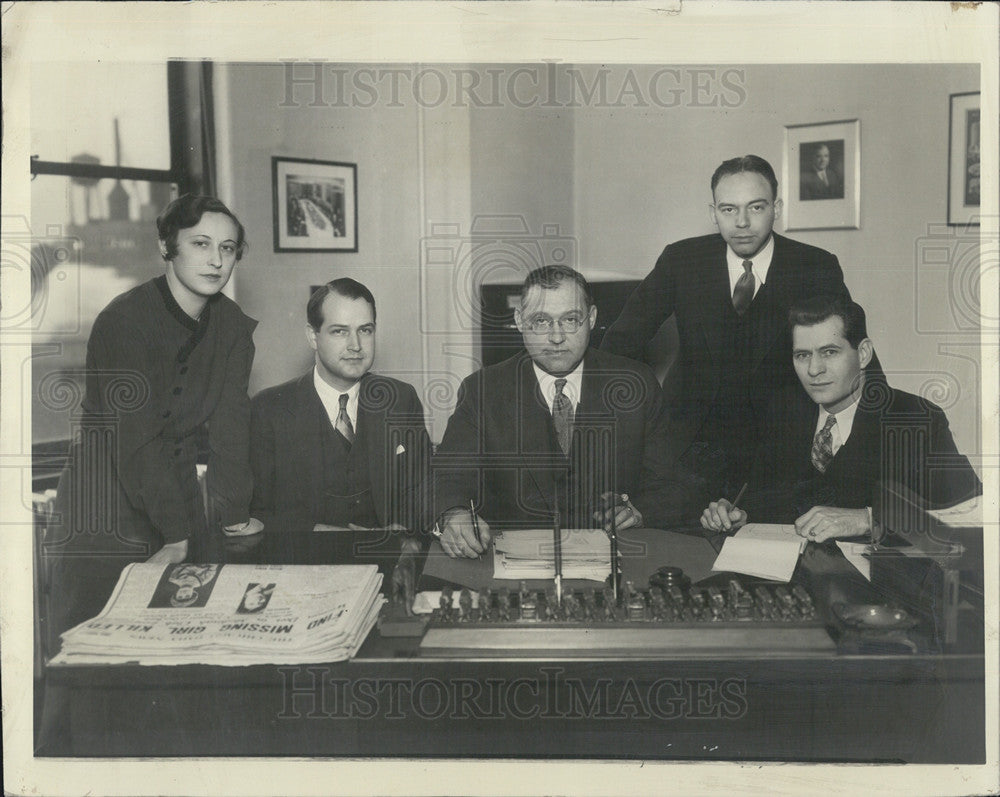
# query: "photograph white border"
418,32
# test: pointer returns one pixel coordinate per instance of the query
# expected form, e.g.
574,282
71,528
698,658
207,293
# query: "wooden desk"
390,701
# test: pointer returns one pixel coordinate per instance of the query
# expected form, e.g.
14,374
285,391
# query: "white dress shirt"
761,263
571,389
330,397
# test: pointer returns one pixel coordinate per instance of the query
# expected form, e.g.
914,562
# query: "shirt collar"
330,397
761,262
547,384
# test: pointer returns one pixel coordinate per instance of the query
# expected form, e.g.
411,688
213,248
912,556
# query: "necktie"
343,423
743,292
822,177
562,416
822,450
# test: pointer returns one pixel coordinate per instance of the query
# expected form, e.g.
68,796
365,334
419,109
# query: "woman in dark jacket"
165,361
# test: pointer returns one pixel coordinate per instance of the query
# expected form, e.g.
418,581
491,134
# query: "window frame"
181,171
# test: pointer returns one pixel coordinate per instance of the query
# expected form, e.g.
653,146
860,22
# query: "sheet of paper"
854,552
968,514
533,544
772,531
530,554
771,559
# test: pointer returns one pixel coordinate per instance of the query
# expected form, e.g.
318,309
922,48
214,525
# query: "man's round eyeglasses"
542,325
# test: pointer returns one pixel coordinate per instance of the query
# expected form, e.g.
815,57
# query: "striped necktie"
822,449
562,416
343,423
743,291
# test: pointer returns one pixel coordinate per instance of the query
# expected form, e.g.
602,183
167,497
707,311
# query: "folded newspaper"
230,615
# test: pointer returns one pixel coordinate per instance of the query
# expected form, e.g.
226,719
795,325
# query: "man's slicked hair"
346,287
747,163
817,309
551,277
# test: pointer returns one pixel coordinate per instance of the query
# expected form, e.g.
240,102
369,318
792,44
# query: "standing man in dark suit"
825,463
339,446
556,423
730,295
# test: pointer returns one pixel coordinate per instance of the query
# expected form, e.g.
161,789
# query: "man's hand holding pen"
619,507
723,515
456,531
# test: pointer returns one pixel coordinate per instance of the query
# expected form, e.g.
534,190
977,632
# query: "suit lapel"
713,296
597,450
537,434
303,426
770,322
373,421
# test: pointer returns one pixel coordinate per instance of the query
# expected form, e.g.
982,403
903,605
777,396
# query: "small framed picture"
315,205
822,176
963,160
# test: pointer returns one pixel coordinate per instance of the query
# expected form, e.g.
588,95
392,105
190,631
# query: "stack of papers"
968,514
530,553
230,615
764,550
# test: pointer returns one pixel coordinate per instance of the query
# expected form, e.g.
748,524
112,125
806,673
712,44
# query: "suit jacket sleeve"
952,478
456,466
411,509
141,455
650,304
658,499
230,480
262,462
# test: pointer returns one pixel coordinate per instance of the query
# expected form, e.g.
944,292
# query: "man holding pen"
830,453
558,427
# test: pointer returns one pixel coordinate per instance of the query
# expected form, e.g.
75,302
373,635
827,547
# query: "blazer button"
178,391
184,369
178,452
166,414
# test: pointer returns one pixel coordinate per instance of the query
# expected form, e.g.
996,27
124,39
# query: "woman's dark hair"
186,211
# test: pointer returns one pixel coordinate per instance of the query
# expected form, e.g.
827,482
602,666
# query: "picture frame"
315,205
963,159
821,167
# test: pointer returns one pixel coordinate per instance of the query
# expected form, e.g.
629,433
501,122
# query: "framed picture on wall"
963,160
822,176
315,205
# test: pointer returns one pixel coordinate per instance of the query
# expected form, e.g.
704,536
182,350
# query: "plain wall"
642,180
616,182
274,287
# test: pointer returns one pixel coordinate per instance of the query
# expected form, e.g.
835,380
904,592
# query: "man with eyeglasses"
557,427
339,446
